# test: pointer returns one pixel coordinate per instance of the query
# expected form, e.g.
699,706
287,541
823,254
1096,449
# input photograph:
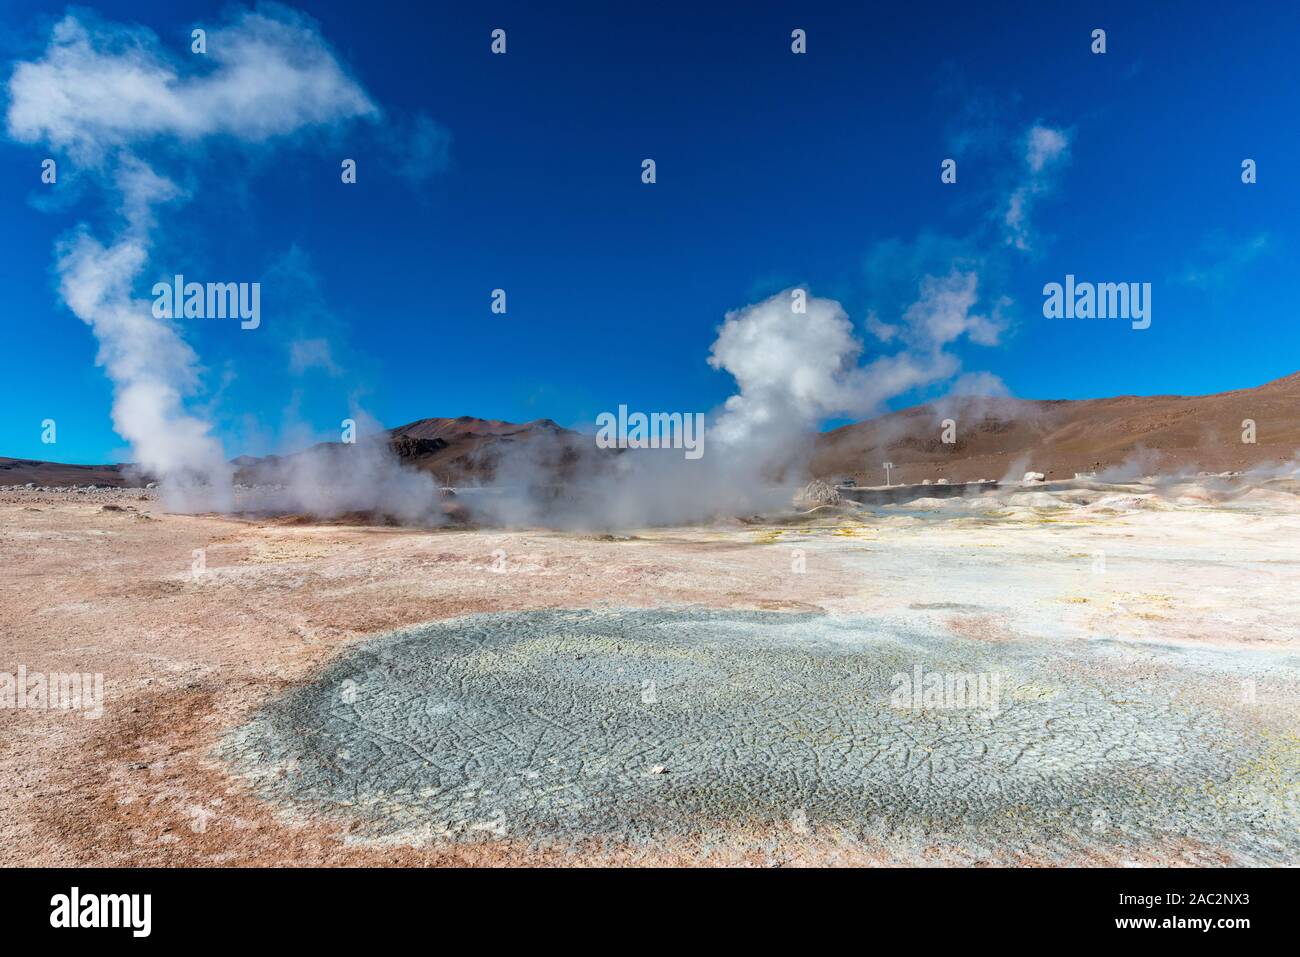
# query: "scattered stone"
817,493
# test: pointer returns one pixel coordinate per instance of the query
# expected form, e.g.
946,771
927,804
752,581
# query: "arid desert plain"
1074,674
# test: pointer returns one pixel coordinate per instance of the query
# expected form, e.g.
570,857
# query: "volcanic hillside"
461,451
22,471
995,437
1127,435
468,450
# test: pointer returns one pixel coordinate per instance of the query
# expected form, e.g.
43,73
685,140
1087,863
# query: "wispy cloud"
1224,260
1044,146
985,384
925,298
102,85
1045,150
420,148
308,354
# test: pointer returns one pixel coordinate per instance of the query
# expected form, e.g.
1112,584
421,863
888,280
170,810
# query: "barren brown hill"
995,438
460,451
1129,435
22,471
467,450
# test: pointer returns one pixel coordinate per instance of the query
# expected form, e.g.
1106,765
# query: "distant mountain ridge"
993,437
455,451
469,450
997,437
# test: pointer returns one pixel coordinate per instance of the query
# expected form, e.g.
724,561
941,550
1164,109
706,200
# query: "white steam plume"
99,91
101,86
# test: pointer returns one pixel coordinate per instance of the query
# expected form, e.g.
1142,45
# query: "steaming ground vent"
635,726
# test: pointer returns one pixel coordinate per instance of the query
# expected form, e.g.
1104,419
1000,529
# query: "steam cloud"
101,92
98,91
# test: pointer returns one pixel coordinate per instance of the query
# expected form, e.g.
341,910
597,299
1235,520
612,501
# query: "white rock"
817,493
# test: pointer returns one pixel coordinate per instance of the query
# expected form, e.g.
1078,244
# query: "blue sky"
523,172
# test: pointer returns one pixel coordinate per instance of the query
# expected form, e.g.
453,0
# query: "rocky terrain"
285,691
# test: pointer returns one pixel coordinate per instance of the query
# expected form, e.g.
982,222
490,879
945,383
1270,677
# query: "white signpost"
888,466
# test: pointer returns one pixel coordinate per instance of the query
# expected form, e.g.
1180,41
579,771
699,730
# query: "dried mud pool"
653,728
